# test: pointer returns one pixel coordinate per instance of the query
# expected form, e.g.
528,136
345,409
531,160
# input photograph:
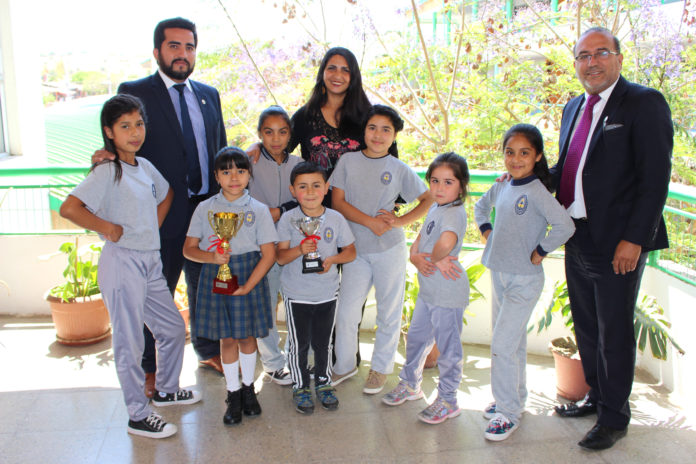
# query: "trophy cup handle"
211,217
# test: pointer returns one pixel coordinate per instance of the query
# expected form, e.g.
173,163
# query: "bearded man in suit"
185,129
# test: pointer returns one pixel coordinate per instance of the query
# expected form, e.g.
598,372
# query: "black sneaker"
180,397
281,376
250,405
302,398
153,426
327,397
233,414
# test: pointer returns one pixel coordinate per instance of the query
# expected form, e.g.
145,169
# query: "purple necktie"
566,192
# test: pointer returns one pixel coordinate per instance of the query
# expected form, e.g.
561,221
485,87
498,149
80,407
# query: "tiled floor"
63,405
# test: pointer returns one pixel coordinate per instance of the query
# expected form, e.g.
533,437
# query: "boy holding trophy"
310,236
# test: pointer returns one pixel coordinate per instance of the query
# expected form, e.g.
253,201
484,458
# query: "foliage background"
460,90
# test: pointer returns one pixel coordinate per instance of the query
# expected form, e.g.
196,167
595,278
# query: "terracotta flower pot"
570,377
80,323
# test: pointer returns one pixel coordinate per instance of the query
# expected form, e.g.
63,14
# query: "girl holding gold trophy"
233,229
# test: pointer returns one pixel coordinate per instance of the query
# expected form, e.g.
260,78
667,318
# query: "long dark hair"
534,137
387,112
114,108
355,102
459,168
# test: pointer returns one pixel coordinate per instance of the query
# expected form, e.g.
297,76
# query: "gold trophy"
225,226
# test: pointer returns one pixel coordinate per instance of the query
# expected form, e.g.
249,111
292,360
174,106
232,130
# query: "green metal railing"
30,198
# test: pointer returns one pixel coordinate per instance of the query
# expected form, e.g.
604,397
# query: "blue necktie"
194,167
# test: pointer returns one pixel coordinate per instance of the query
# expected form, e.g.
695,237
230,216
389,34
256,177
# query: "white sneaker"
500,428
489,411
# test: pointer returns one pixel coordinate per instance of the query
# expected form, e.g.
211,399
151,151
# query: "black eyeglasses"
601,55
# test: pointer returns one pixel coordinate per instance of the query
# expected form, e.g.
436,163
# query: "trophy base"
312,265
225,287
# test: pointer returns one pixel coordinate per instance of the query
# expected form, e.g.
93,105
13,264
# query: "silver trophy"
309,227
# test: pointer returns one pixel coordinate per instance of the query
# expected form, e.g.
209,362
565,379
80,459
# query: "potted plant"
78,311
473,272
649,324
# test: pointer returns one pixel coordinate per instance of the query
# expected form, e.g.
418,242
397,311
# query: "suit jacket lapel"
607,114
567,125
165,101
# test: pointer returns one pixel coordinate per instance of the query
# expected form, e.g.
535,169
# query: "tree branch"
241,39
456,59
433,84
403,114
551,28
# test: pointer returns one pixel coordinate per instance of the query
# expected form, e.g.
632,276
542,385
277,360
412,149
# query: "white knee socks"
248,364
232,376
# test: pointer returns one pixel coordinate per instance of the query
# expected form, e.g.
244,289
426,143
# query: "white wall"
22,76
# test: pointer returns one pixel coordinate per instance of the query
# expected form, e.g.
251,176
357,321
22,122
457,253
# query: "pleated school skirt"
229,316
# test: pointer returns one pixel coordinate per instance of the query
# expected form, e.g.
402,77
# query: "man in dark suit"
613,176
185,130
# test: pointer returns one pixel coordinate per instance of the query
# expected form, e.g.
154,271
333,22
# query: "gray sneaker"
401,394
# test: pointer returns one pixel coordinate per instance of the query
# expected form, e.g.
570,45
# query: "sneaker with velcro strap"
180,397
153,426
327,397
302,399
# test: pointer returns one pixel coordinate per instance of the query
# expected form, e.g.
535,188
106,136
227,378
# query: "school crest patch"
249,218
386,177
521,205
429,227
328,235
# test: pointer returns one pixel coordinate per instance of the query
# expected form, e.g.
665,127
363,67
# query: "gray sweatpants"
272,358
135,292
434,324
514,298
387,271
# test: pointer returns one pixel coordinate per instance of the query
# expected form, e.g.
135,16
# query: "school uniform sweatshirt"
524,209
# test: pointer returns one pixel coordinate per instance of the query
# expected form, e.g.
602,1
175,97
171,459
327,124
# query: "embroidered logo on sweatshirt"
429,227
386,177
521,205
249,218
328,235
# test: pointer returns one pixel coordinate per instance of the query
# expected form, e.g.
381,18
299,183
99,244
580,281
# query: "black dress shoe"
581,408
601,437
250,405
233,414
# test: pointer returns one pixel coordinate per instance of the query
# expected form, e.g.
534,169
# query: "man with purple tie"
613,176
